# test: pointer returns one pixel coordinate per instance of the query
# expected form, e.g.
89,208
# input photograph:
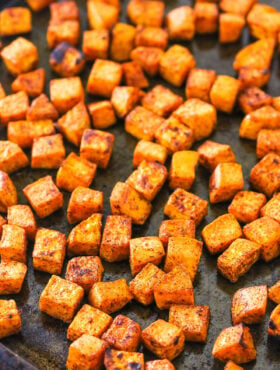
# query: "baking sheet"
43,339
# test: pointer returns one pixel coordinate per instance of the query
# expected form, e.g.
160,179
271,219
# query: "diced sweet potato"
241,7
230,27
8,192
101,14
122,42
47,152
31,82
13,244
274,292
274,323
63,31
65,10
151,36
12,274
133,75
211,154
10,320
146,150
123,360
176,228
13,107
252,99
124,99
66,60
276,103
102,114
15,20
22,216
37,5
206,17
180,23
96,44
246,205
224,92
146,12
41,109
230,365
148,58
12,157
268,141
272,208
159,365
65,93
182,169
263,21
252,77
199,83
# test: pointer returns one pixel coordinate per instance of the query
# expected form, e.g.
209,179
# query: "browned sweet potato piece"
268,141
96,44
66,60
241,7
101,14
123,36
151,36
148,58
63,31
224,92
31,82
252,99
123,360
199,83
12,275
66,92
12,157
181,23
22,215
171,228
272,208
133,75
41,109
211,154
206,17
182,169
8,192
48,152
263,21
10,321
13,107
147,150
159,365
230,27
146,12
274,323
15,20
274,292
246,205
124,99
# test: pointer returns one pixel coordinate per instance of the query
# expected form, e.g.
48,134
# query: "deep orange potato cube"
274,323
230,27
96,44
250,77
151,36
274,292
102,114
12,157
8,192
241,7
22,216
123,36
12,275
123,360
263,21
64,11
15,20
13,244
224,92
63,31
252,99
37,5
65,93
211,154
182,169
48,152
230,365
124,99
13,107
101,14
176,228
41,109
246,205
148,58
268,141
271,208
31,82
206,17
66,60
133,75
10,320
146,12
180,23
199,83
146,150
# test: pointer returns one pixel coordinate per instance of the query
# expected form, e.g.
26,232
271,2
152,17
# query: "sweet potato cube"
200,116
224,92
266,232
175,64
238,259
102,114
31,82
15,20
8,192
87,352
37,5
230,365
126,201
179,228
182,169
148,58
49,251
235,343
44,196
174,288
252,99
211,154
101,15
246,205
13,107
220,233
148,179
146,150
151,36
122,41
115,240
183,250
146,12
184,205
13,244
142,124
110,296
97,147
41,109
180,23
12,274
124,99
20,56
66,60
10,321
250,77
206,17
143,284
84,271
65,93
274,323
193,320
12,157
265,175
133,75
225,181
276,103
271,209
199,83
241,7
64,11
48,152
263,21
159,365
164,339
123,360
63,31
96,44
249,305
230,27
174,135
161,100
268,141
84,239
274,292
145,250
104,76
22,216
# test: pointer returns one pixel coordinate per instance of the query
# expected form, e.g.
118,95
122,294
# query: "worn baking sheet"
43,339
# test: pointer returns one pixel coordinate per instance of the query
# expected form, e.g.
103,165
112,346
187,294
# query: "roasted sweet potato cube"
159,365
230,365
193,320
211,154
268,141
183,250
85,238
31,82
65,93
13,244
101,15
266,232
96,44
115,240
37,5
274,323
199,83
13,107
184,205
250,77
44,196
146,150
142,124
12,157
126,201
263,21
164,339
151,36
180,23
276,103
84,271
122,41
97,146
235,343
146,12
48,152
133,75
10,321
124,99
241,7
265,175
20,56
220,233
123,360
174,288
175,64
148,58
182,169
110,296
41,109
12,274
63,31
224,92
206,17
90,321
15,20
179,228
143,284
87,352
148,179
8,192
249,305
22,216
200,116
64,11
161,100
271,209
252,99
102,114
145,250
274,292
66,60
230,27
246,205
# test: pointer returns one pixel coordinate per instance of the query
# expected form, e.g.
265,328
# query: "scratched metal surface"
43,339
